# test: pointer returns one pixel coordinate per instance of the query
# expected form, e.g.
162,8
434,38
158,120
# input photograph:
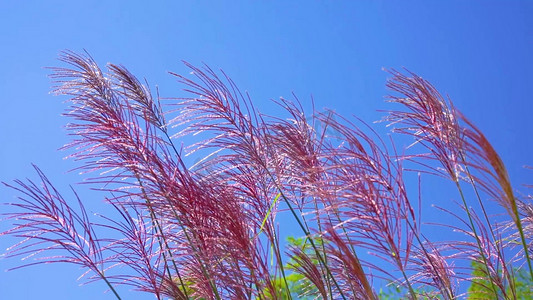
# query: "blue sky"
478,53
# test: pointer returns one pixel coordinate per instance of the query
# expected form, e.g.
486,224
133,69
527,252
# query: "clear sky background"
477,52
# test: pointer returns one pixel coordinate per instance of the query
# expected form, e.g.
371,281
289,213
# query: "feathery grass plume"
210,230
110,138
433,270
121,129
457,144
243,161
491,267
513,238
46,224
371,197
133,90
435,126
348,268
243,146
495,181
215,113
483,157
323,174
308,267
139,244
526,209
429,119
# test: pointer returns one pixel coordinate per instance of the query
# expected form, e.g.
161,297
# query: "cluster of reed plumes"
210,230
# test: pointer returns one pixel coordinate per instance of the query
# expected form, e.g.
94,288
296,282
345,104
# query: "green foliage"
393,292
297,284
479,289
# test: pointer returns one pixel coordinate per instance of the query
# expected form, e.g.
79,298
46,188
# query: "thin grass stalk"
323,247
308,234
524,243
195,253
327,275
309,238
477,238
276,247
487,153
277,251
409,285
161,238
500,251
369,162
301,127
304,227
109,285
448,292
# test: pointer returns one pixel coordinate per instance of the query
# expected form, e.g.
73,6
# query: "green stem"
109,285
282,268
448,291
524,244
478,196
323,244
308,234
472,225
